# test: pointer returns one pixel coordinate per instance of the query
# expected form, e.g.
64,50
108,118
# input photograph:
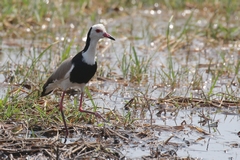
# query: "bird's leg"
63,117
89,112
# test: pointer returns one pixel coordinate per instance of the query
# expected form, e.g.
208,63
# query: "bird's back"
71,73
59,74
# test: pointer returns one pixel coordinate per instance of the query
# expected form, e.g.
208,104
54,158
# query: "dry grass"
188,60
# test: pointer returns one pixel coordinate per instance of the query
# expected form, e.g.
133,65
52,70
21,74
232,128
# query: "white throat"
89,55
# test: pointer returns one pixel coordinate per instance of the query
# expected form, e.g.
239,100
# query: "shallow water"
145,35
213,146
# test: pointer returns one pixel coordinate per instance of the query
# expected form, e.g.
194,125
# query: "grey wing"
59,74
62,70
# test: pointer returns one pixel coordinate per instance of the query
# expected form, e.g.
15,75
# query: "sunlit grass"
49,32
133,66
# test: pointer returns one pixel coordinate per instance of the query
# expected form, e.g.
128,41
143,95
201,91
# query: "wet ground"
184,102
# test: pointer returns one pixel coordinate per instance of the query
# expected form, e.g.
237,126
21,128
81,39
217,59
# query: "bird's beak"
108,36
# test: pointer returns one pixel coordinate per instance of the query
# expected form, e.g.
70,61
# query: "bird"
77,71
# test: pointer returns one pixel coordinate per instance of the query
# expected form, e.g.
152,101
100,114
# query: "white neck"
89,55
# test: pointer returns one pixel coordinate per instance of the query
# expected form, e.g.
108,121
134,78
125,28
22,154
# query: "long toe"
99,116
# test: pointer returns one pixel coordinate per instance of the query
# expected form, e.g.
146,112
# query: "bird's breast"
82,72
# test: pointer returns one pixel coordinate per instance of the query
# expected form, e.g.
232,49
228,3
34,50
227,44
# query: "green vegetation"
176,53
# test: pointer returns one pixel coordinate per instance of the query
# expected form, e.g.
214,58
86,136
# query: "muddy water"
189,140
219,144
148,36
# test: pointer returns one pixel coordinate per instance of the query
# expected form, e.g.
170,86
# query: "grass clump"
183,54
134,66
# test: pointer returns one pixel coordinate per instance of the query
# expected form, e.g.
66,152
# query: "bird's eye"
98,30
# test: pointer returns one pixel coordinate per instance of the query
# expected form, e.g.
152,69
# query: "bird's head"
99,31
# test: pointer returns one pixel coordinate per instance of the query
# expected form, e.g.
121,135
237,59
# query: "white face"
98,31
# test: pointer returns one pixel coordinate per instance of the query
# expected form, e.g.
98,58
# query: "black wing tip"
44,93
44,88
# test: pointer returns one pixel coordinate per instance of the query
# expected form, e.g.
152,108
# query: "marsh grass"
46,24
133,66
